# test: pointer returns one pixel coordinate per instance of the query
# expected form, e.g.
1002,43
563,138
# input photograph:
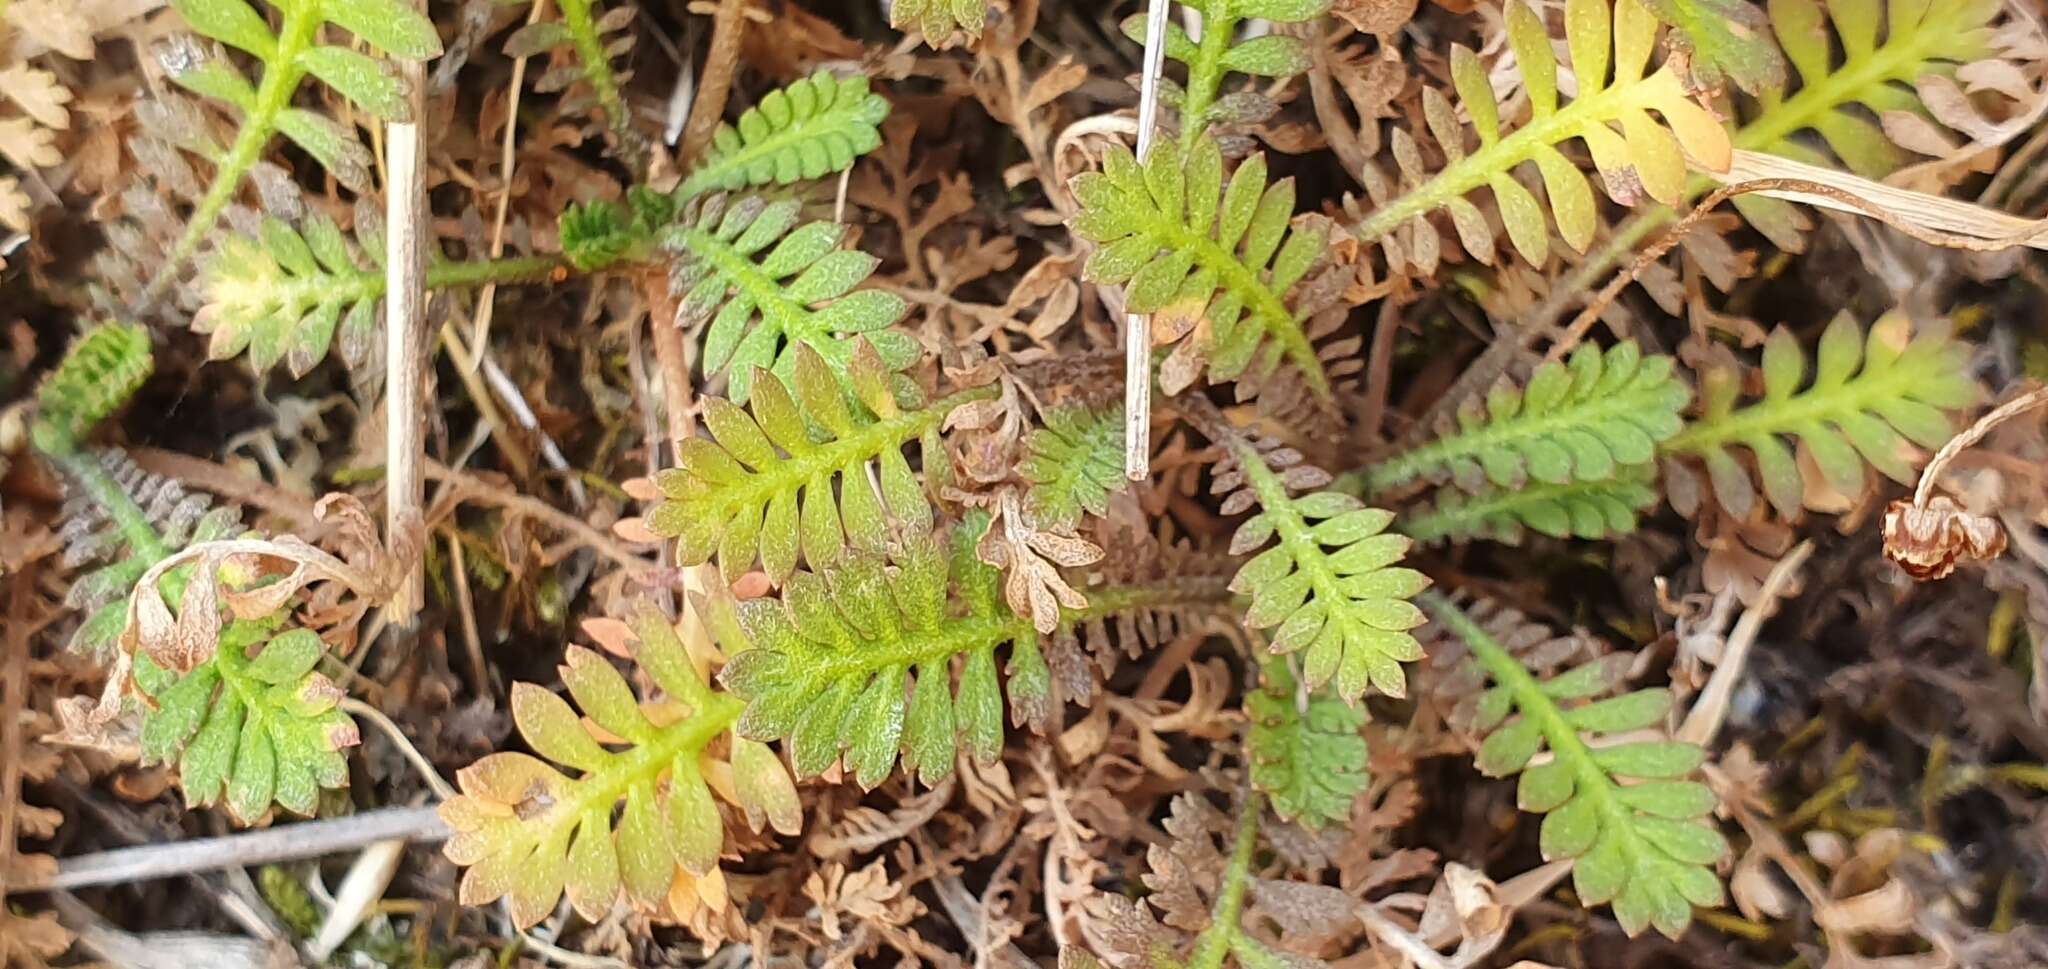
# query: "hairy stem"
113,500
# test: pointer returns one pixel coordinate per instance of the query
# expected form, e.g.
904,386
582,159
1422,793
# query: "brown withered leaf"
1031,559
29,941
1380,18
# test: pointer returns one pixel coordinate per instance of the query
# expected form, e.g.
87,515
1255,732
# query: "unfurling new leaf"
98,374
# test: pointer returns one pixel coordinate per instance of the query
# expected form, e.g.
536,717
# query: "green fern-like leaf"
1182,242
98,374
1647,846
286,57
1305,749
596,37
858,660
768,285
817,126
292,293
763,483
940,21
1919,39
1329,583
1220,53
1577,420
249,730
1870,396
1878,73
1644,156
1075,462
1577,509
527,832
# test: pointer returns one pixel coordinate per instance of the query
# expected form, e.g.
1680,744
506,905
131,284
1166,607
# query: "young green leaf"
1577,509
766,285
1220,53
1186,246
103,368
1304,749
1075,462
814,127
858,662
1329,583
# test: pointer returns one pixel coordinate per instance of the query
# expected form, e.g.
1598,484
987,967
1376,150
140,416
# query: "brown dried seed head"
1928,541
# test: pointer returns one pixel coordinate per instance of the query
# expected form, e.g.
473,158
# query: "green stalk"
956,637
836,455
1409,465
1766,418
299,294
711,713
1113,600
100,486
281,77
1302,545
1224,931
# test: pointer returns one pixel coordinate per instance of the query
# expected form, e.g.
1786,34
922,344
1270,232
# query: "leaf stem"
114,500
597,69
